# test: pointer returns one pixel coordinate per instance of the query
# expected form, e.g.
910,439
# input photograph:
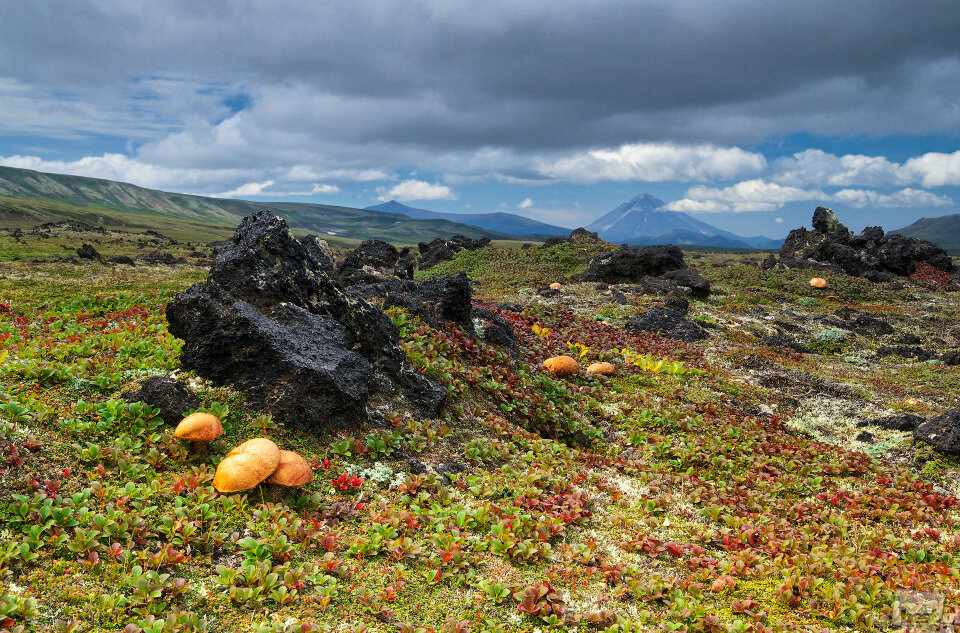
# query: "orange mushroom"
818,282
601,368
292,471
199,428
562,366
247,465
556,285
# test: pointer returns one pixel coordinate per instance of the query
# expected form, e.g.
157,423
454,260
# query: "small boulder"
629,264
89,252
668,320
692,283
442,249
495,329
122,259
942,432
171,396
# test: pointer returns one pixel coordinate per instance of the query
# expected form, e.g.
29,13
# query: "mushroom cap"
562,365
556,285
601,368
818,282
199,427
292,470
247,465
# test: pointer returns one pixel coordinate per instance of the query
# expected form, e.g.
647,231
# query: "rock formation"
871,254
272,323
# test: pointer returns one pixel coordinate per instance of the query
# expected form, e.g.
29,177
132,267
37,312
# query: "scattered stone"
444,299
442,249
549,292
89,252
906,351
784,342
171,396
495,329
122,259
769,263
668,320
619,298
270,322
951,357
690,282
864,436
902,422
942,432
450,468
512,307
630,264
863,324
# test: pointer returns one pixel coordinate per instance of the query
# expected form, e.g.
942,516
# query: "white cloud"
697,206
933,169
751,195
125,169
904,198
778,220
814,167
526,204
247,189
657,162
416,190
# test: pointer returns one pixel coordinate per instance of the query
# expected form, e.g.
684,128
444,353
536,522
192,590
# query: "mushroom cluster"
248,464
259,460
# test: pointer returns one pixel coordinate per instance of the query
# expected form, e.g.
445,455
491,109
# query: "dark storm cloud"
546,75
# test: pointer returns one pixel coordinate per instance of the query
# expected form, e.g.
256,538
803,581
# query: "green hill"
30,197
944,231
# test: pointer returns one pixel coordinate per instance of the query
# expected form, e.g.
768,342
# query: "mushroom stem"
276,492
198,447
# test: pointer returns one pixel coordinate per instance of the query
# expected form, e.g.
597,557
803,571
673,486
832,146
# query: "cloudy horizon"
746,114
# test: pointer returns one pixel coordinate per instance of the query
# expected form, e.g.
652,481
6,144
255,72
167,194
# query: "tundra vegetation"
727,484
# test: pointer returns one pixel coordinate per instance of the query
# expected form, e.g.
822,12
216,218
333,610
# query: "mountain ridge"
494,221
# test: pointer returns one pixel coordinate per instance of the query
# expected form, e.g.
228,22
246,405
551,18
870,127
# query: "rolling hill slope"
944,231
31,197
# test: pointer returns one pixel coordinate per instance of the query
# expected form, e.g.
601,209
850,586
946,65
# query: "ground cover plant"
723,485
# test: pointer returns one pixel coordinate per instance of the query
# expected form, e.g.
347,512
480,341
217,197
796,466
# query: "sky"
746,113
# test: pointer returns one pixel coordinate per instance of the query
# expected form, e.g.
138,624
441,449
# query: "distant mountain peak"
645,217
644,201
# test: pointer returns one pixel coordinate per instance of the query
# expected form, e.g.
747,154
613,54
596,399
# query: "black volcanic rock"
444,299
270,322
871,254
320,251
440,249
695,284
668,320
942,432
374,261
629,264
89,252
171,396
496,330
579,234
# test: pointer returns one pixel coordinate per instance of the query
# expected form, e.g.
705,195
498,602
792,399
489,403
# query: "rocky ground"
767,456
